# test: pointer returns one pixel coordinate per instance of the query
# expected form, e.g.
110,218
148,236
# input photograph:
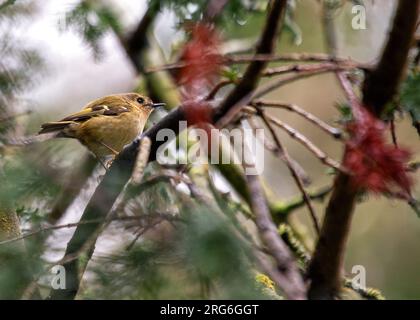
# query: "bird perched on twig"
107,124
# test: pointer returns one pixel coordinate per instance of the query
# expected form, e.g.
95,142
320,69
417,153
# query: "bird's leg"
101,162
109,162
109,148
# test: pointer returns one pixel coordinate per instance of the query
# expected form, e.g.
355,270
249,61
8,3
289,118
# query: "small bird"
107,124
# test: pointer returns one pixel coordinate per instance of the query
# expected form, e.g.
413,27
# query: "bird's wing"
82,116
95,111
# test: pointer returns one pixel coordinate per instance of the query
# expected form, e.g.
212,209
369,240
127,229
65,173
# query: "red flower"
202,65
375,164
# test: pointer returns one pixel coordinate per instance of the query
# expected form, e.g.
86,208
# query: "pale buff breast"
115,132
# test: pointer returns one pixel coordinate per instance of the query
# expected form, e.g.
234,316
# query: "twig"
297,68
261,91
393,133
280,209
321,155
350,94
283,154
335,132
216,89
277,83
67,226
141,232
269,145
288,57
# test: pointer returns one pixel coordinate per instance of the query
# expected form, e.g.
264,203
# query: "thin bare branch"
76,224
270,146
277,83
321,155
217,87
335,132
298,68
283,154
260,92
290,57
393,132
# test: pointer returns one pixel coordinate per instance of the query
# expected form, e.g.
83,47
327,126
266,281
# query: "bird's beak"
158,105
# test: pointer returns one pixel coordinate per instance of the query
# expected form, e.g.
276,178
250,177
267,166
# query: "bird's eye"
140,100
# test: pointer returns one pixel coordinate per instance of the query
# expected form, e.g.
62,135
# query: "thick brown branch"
383,82
265,46
137,42
287,272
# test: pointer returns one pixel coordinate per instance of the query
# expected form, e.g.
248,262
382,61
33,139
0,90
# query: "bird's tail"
54,126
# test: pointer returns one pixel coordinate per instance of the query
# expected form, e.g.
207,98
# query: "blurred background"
67,73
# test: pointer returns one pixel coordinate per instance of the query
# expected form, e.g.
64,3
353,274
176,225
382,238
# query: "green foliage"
18,62
14,271
346,114
24,182
6,3
13,10
202,259
410,98
18,67
231,73
92,20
